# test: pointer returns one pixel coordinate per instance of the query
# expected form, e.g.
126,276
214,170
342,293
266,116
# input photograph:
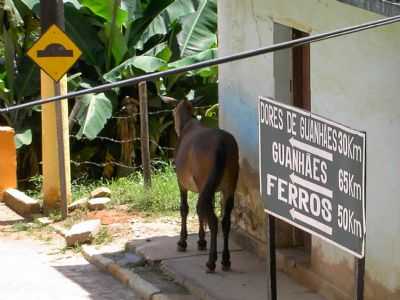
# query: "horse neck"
189,125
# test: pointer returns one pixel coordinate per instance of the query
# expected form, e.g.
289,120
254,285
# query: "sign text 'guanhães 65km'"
312,173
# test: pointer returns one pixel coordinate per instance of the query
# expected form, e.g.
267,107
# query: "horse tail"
205,204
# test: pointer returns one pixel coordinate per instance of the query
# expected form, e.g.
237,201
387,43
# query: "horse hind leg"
182,244
206,213
226,227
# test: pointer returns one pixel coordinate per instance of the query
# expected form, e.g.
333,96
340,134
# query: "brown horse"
206,161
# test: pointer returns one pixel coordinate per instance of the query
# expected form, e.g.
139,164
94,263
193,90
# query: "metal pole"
271,258
144,133
61,151
213,62
359,271
359,264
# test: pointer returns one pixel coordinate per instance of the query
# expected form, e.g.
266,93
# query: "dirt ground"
120,226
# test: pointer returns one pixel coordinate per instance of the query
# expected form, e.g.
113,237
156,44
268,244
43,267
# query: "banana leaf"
199,28
93,114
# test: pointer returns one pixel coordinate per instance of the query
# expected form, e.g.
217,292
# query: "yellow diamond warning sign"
54,53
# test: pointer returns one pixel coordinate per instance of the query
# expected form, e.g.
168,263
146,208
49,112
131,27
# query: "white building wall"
355,80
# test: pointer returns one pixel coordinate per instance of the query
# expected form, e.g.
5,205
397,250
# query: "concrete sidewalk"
247,280
28,271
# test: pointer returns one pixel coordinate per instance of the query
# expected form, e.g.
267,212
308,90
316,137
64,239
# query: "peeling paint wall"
355,81
8,160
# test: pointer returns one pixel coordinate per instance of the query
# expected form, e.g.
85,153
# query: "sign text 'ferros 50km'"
312,173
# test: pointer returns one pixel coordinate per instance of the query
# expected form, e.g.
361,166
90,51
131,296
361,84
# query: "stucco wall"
354,80
8,160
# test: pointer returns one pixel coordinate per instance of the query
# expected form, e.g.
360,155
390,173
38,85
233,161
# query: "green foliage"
20,226
123,39
18,77
103,237
199,28
134,66
24,138
162,197
104,9
148,13
119,39
94,111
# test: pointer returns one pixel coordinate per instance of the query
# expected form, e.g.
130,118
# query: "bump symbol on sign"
55,50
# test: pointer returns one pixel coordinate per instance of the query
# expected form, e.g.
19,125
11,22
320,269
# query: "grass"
163,197
34,229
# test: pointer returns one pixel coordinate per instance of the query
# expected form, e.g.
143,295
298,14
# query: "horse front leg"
182,245
202,243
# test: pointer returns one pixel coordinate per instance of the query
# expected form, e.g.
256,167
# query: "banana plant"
119,39
126,38
19,79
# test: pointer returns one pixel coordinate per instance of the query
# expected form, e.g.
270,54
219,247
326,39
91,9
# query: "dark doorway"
292,86
301,73
301,99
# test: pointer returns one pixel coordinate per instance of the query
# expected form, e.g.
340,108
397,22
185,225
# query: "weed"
73,218
18,227
35,184
77,248
103,237
163,197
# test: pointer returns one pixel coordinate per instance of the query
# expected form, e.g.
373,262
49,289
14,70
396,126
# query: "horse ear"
169,100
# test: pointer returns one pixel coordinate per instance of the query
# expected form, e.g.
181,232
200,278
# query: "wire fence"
135,141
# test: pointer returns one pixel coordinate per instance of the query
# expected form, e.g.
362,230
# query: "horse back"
202,152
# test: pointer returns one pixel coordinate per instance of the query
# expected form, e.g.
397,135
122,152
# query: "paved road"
28,272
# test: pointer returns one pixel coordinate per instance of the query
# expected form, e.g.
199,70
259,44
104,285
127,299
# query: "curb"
190,286
143,288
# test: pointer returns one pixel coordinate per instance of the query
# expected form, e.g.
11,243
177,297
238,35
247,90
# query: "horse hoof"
202,246
181,246
226,267
210,268
208,271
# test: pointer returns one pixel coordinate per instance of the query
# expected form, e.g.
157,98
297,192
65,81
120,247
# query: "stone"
8,216
59,229
44,221
144,288
100,192
21,203
98,203
78,204
119,273
82,233
131,260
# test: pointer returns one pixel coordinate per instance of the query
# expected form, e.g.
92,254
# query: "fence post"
144,133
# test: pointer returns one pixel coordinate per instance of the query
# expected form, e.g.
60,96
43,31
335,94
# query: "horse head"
183,112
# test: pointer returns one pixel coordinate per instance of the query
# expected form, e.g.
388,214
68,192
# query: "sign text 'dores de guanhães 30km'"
312,173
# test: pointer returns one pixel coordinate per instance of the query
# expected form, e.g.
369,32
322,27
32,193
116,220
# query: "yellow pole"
51,167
